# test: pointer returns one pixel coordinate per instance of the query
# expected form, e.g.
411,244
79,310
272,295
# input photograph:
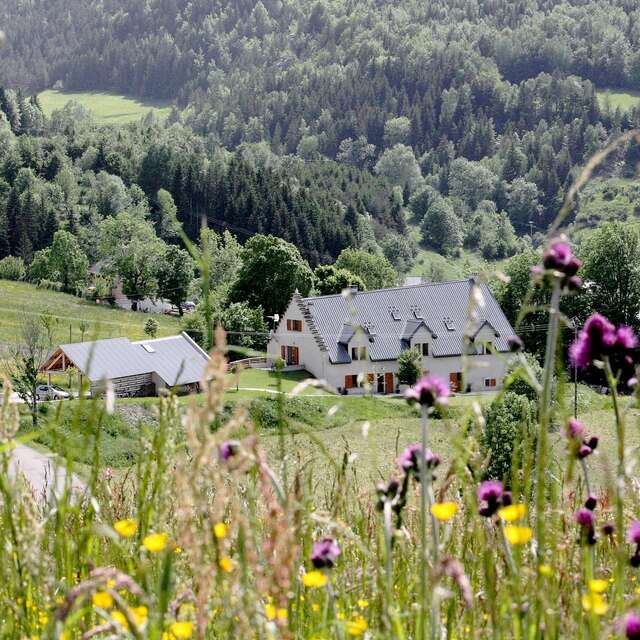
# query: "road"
42,472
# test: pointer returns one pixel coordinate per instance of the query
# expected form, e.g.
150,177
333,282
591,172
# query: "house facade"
353,341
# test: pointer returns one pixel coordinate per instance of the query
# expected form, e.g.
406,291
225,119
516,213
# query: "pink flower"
490,495
631,626
596,340
633,535
429,391
325,552
409,459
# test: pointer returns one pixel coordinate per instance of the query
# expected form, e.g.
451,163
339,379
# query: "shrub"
516,381
409,366
508,421
12,268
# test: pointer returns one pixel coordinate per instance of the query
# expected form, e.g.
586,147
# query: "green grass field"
106,108
18,299
626,100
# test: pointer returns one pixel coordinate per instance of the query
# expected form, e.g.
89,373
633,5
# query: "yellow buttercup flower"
182,630
518,535
156,542
102,600
545,570
357,626
594,602
270,612
444,511
598,586
121,619
226,564
282,614
363,604
314,579
513,512
315,606
139,614
220,530
126,528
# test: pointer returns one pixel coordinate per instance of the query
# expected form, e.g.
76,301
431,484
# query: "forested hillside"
330,125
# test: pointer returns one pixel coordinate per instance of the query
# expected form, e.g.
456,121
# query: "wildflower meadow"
208,536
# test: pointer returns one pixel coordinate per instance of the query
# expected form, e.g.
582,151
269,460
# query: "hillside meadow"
18,299
106,108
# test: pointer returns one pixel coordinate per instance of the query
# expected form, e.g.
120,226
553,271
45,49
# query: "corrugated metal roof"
443,308
177,359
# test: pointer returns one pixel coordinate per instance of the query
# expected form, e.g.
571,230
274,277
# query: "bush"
51,285
508,424
12,268
516,381
409,366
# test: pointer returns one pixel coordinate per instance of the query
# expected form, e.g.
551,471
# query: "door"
455,381
380,386
295,356
388,383
348,382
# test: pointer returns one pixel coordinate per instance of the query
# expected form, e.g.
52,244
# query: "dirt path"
45,475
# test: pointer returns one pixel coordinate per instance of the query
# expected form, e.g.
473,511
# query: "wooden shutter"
288,325
348,382
371,378
295,356
283,353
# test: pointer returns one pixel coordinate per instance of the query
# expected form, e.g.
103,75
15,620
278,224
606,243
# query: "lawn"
19,299
625,100
106,108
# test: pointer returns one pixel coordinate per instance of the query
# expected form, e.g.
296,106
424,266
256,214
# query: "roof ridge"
410,286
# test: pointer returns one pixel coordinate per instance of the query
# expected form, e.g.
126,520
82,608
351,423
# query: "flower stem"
545,421
545,415
620,485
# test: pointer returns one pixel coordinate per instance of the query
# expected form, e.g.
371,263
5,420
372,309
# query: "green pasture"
106,108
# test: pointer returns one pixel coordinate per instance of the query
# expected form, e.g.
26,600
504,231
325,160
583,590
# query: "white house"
353,341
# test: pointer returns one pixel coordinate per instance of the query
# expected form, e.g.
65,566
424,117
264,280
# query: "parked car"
49,392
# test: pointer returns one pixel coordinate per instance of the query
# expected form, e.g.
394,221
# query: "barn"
133,368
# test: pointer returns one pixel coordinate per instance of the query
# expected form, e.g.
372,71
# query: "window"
291,355
423,349
490,382
294,325
353,381
358,353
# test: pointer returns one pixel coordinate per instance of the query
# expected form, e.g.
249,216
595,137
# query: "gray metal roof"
176,360
394,315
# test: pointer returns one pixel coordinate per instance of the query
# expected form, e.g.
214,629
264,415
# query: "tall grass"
208,537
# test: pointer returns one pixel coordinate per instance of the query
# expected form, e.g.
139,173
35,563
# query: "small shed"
134,368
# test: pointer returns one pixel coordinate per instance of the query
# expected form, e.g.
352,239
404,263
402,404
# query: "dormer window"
395,313
423,348
449,324
358,353
417,312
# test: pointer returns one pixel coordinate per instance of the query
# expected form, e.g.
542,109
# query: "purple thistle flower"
631,626
325,552
584,451
575,429
626,339
597,339
490,495
409,459
557,256
429,391
591,503
584,517
608,529
228,449
633,535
